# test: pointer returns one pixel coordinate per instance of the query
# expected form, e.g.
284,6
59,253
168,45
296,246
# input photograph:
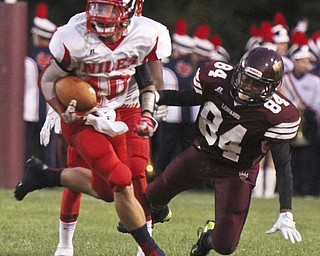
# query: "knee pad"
120,177
102,188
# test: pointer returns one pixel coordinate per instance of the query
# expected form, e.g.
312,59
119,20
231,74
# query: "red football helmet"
257,76
139,7
107,17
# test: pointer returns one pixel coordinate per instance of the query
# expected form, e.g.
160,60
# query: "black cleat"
31,179
198,249
161,216
121,228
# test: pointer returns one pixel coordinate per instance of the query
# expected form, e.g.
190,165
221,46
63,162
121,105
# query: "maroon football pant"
232,194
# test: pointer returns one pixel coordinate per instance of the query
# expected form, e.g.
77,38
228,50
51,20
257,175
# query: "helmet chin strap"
101,30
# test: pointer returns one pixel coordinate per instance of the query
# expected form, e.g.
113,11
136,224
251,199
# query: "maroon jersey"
236,134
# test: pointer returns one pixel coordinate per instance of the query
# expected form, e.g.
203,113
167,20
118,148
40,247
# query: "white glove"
105,123
287,226
52,121
71,115
161,112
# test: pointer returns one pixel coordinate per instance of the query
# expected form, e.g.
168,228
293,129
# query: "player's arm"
281,155
47,81
156,71
147,88
147,125
49,76
179,98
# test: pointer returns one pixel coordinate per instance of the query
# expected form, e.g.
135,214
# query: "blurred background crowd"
204,30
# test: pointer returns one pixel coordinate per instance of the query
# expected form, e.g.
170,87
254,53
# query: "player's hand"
104,125
287,227
52,121
161,112
71,115
146,126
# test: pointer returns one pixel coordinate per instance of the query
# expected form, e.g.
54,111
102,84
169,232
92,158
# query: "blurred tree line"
230,19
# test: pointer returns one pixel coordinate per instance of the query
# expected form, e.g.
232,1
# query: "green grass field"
30,227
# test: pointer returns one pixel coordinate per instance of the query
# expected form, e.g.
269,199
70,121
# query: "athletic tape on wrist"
148,100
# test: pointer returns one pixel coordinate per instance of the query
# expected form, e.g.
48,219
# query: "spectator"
35,106
203,47
282,40
178,130
303,88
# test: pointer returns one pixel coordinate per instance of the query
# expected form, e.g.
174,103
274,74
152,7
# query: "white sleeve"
164,47
50,75
31,91
164,44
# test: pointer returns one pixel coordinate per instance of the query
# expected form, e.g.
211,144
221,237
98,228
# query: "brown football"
74,88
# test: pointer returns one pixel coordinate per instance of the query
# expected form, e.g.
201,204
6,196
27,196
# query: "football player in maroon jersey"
241,117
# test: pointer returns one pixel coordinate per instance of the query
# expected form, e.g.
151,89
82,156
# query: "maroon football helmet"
107,17
257,76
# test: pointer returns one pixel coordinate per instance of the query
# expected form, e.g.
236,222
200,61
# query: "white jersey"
303,91
109,68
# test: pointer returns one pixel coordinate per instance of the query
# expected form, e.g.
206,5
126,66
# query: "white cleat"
63,251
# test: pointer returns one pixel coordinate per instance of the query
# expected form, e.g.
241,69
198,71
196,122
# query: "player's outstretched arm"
281,154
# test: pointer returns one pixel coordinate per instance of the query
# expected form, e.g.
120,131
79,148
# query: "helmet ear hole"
264,66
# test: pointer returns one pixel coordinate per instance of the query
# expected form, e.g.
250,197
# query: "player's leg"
180,175
138,150
97,150
230,215
232,201
69,210
70,202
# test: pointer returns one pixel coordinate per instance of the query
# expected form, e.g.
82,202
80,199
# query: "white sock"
258,189
149,227
271,181
66,231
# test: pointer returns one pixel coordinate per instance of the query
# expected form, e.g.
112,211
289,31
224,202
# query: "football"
74,88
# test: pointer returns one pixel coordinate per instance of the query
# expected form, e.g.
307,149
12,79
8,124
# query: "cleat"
61,251
31,179
121,228
161,216
198,249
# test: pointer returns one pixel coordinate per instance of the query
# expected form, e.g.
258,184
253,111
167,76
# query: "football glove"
52,121
287,226
161,112
105,123
146,126
71,115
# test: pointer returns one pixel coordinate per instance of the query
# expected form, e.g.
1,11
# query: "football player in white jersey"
240,118
104,45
